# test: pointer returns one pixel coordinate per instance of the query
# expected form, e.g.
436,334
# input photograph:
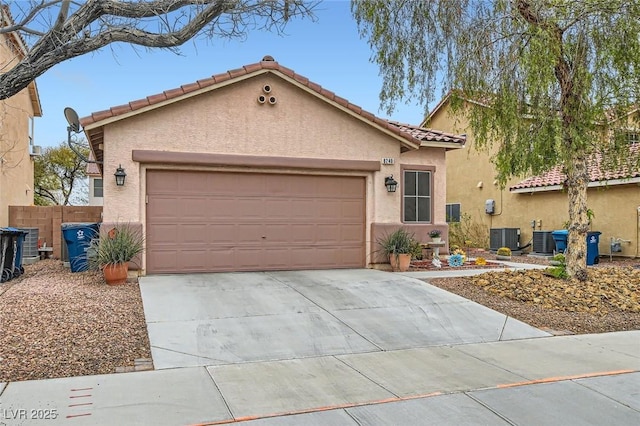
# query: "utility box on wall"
490,206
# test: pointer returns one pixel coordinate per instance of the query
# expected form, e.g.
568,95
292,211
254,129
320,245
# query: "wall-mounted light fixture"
120,175
390,183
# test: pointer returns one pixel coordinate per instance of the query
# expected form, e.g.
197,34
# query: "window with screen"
417,202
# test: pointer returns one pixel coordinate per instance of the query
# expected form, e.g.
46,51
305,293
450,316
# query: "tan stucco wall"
16,165
229,120
615,208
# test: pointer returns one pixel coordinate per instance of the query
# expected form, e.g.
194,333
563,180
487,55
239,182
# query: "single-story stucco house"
259,168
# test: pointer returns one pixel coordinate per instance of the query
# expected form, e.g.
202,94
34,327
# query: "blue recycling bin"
78,238
560,237
593,239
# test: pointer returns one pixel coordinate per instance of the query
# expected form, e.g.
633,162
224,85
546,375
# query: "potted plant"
398,246
503,253
112,251
435,235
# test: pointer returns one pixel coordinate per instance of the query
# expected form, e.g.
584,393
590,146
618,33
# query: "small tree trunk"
576,255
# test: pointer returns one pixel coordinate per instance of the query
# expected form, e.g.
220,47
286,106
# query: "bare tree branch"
86,27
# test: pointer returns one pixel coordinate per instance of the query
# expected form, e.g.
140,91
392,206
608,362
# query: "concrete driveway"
230,318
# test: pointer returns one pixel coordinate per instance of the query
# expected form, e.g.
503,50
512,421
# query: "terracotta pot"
400,262
116,273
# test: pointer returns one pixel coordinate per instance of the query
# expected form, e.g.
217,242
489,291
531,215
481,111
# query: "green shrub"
121,244
504,251
399,241
559,271
467,233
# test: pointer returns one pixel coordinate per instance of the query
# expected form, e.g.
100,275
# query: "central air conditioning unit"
504,237
543,242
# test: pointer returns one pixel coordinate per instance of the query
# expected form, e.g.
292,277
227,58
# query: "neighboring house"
259,168
536,203
16,130
95,183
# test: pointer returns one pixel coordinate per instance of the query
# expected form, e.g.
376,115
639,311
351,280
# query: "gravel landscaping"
608,301
54,323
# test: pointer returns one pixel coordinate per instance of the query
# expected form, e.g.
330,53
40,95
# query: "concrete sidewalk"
581,379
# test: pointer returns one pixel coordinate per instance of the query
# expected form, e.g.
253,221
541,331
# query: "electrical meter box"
490,206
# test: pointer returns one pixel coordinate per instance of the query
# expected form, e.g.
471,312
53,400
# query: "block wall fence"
49,220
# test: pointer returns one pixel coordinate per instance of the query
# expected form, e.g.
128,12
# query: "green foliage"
416,250
399,241
57,173
544,83
120,245
468,233
559,257
504,251
435,233
559,271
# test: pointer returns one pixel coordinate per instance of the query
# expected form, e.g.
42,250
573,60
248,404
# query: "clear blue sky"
329,52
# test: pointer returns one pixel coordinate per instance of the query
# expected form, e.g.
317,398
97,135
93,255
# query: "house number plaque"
388,161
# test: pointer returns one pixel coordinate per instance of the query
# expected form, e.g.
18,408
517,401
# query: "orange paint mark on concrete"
563,378
320,409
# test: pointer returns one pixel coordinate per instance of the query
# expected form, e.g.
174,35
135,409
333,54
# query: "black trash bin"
18,268
593,239
78,237
8,245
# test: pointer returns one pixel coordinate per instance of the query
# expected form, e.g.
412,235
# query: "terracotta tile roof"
555,176
92,168
430,135
412,134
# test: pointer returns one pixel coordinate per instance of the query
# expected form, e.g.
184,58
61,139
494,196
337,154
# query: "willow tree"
47,32
546,78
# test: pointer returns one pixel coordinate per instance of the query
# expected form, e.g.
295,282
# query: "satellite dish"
72,119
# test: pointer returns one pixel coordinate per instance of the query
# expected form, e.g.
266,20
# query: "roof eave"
592,184
445,145
407,141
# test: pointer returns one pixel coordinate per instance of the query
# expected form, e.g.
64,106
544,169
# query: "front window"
97,187
417,196
453,212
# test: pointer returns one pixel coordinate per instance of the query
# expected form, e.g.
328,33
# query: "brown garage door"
206,222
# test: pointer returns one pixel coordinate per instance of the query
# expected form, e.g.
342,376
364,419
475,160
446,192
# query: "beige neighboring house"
536,206
16,130
95,183
259,168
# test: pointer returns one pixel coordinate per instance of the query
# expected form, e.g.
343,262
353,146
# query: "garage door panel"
353,210
194,207
222,233
201,221
249,233
300,234
277,208
350,234
161,234
194,234
277,258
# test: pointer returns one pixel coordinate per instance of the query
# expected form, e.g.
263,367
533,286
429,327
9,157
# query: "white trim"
596,184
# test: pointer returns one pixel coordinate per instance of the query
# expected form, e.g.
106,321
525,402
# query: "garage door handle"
264,238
